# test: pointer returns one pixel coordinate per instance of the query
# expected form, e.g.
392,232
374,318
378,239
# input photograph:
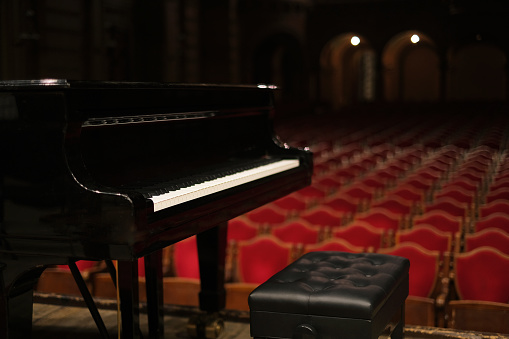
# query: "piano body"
118,171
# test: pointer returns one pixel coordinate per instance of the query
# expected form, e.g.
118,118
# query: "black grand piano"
118,171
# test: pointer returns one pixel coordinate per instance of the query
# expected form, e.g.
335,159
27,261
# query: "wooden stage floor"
75,322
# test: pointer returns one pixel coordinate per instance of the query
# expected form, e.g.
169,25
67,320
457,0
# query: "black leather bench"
333,295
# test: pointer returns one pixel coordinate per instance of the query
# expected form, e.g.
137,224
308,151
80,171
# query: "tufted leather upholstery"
361,289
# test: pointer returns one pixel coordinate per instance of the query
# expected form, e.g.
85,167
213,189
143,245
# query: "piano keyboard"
185,194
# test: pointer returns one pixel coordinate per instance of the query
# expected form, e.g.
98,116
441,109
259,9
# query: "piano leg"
212,297
4,321
211,256
87,297
127,285
16,304
155,300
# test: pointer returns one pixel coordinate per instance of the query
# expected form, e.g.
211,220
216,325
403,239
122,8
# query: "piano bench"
333,295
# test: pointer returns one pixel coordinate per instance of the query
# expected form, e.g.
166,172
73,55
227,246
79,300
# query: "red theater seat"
451,206
381,218
424,267
490,237
427,237
342,205
268,215
498,194
339,245
481,280
241,229
440,220
426,298
298,232
185,258
260,258
292,203
323,216
482,274
496,206
496,220
361,234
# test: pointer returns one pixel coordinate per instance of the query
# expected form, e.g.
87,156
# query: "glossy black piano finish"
75,157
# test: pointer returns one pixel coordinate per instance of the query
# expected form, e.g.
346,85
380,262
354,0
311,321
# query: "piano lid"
111,99
66,83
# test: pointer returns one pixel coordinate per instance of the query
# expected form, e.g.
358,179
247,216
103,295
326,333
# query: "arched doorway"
347,71
278,60
477,72
411,68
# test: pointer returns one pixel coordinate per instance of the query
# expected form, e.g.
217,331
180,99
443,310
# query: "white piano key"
186,194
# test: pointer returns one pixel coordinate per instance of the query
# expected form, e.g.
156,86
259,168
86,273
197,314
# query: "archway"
477,72
278,60
347,71
411,68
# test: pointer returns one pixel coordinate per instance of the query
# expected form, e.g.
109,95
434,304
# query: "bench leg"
398,330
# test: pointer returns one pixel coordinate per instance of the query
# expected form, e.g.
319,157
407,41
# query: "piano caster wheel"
207,326
214,328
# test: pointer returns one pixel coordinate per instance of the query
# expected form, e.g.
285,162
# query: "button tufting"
333,291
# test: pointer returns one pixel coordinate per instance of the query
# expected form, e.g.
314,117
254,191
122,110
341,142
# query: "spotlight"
355,40
415,38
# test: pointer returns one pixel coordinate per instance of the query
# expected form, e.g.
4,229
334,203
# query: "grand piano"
120,170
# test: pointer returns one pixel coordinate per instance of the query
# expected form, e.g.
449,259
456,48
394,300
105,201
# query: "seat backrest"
297,232
427,173
328,183
380,217
470,174
464,184
322,216
482,274
419,183
498,194
360,234
396,205
492,237
457,193
312,192
499,184
339,245
424,267
260,258
185,258
341,204
440,220
291,203
427,236
498,220
496,206
407,192
83,265
241,229
449,205
267,215
359,191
